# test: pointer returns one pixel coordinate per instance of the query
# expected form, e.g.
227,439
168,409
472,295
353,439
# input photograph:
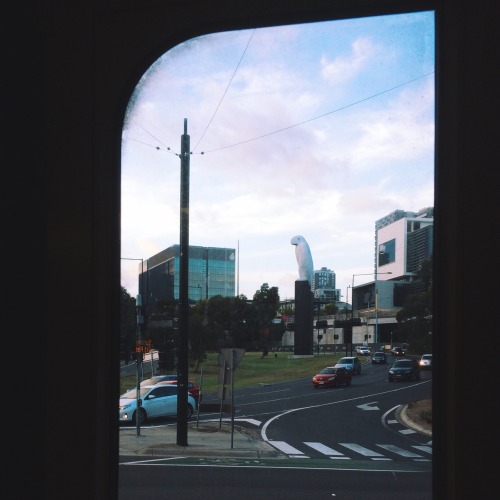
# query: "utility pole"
183,359
138,360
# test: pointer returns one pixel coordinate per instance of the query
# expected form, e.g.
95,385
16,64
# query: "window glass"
320,129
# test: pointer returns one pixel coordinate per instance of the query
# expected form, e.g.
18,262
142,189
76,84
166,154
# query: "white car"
363,350
425,362
155,401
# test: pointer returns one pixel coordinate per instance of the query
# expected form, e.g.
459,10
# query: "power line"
320,116
225,91
290,126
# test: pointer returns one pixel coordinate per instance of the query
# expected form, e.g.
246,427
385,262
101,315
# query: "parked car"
158,378
363,350
404,369
155,401
398,351
379,358
332,377
351,363
425,362
193,388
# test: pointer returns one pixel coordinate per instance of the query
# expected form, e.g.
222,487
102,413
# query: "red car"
332,376
193,388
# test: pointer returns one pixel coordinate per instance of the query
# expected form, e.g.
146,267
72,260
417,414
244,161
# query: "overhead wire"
225,91
290,126
318,117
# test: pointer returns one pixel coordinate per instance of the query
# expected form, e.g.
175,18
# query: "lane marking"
399,451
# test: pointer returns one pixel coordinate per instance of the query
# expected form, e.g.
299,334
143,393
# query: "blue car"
351,363
404,369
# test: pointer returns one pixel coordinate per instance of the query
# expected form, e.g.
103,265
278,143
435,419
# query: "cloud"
312,129
343,68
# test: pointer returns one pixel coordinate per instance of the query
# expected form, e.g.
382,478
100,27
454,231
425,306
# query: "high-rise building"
211,272
403,240
323,285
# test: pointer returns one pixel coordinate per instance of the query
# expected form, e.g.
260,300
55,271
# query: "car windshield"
427,356
132,393
346,361
402,364
328,370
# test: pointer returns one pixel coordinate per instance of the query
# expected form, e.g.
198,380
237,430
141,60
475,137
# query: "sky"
316,130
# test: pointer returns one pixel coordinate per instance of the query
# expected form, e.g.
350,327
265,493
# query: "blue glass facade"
211,273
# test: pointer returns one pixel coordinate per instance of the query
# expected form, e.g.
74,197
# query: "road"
340,442
264,481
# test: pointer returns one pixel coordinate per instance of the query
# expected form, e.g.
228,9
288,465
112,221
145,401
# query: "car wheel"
189,411
142,416
348,382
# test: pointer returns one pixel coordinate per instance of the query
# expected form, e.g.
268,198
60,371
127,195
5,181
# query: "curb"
402,416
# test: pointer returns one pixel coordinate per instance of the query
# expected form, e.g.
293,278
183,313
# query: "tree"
128,325
266,304
415,321
330,308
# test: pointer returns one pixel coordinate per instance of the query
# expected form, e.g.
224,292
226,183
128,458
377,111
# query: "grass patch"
426,415
254,370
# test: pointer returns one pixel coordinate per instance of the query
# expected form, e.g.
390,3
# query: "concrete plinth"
303,336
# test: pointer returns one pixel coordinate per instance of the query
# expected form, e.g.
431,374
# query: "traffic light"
366,336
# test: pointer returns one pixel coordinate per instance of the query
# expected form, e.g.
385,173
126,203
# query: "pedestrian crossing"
355,451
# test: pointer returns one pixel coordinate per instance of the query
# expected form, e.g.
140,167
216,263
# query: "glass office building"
211,272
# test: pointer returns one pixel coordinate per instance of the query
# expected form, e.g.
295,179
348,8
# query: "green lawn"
254,370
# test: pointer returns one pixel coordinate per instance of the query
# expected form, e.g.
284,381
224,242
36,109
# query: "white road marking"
427,449
324,449
367,406
399,451
361,450
286,448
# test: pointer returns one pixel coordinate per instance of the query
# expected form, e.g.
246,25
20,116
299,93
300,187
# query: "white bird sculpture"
304,258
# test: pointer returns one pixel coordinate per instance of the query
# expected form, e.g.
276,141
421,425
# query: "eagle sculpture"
304,258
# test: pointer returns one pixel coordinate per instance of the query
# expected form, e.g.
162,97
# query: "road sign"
143,346
232,357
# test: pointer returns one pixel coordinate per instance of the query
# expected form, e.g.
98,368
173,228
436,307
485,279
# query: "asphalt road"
340,442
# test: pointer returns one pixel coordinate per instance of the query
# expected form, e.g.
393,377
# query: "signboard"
143,346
